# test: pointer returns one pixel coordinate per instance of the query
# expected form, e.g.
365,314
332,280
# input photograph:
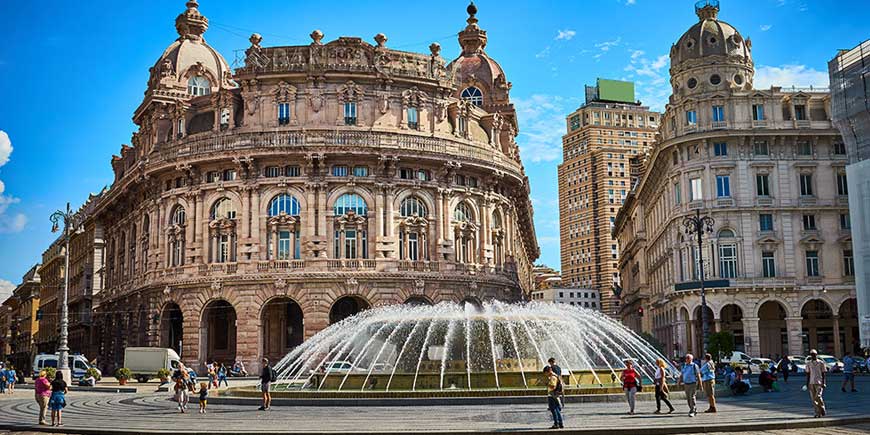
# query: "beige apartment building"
594,178
769,168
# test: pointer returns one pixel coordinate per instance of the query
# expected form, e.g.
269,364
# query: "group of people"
8,378
185,385
217,374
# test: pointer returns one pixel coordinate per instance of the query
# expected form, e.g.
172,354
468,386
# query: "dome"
709,37
190,57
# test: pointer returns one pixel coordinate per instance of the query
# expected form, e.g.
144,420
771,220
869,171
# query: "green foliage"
163,373
654,342
93,372
721,344
123,373
50,373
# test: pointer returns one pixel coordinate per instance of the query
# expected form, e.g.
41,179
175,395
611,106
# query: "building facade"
255,207
850,105
595,176
546,277
576,296
24,323
769,168
51,282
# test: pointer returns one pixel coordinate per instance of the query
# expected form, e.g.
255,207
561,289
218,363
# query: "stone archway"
699,329
817,327
473,301
772,330
281,328
848,323
171,327
345,307
417,300
218,332
731,320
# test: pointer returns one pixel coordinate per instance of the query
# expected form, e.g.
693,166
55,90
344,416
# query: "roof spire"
707,9
191,24
473,38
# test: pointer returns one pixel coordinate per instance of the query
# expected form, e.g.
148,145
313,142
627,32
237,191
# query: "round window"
690,43
715,79
738,79
712,40
692,83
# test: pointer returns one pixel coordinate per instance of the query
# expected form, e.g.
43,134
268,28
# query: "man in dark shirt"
265,383
556,369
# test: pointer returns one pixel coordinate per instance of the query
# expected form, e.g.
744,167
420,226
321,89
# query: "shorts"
264,386
848,376
708,387
57,401
203,402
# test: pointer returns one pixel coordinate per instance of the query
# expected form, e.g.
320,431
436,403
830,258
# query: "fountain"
448,347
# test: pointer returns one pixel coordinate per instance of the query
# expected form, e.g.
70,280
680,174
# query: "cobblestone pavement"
154,412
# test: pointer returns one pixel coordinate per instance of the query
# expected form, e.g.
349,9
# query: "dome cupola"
480,78
711,55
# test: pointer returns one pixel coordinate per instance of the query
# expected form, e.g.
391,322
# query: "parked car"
756,363
739,359
861,364
337,367
798,364
78,364
833,364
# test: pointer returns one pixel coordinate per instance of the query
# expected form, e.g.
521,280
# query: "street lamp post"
70,222
697,225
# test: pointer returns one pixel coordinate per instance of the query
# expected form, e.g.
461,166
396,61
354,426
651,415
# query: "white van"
78,364
741,359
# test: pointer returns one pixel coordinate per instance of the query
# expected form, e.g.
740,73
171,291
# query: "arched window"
198,85
350,202
284,203
413,206
176,236
463,213
473,95
178,216
496,221
726,234
497,238
223,209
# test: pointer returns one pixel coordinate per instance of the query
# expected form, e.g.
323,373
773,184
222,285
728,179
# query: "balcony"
280,265
759,124
418,266
719,124
346,264
218,269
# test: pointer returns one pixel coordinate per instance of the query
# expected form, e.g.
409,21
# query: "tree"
721,343
654,342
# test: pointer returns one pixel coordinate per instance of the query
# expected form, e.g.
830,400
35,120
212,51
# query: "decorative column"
310,207
794,330
439,216
751,335
324,210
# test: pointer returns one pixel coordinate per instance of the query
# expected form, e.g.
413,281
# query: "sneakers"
692,414
262,408
671,411
658,411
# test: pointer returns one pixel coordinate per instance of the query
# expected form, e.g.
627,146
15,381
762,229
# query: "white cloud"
607,45
650,78
788,76
543,53
542,124
6,289
765,27
630,2
8,223
565,34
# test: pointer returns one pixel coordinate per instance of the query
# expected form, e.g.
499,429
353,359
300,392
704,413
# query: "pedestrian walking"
267,376
181,377
630,384
690,376
11,379
848,372
708,380
42,392
203,397
816,382
661,386
785,368
554,397
57,401
3,381
556,369
222,376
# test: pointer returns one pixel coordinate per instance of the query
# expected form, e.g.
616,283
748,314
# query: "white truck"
144,362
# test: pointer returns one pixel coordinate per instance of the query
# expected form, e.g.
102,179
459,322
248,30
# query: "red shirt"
629,378
43,387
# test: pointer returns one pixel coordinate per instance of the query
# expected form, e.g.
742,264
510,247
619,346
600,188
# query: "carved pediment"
349,92
284,92
415,221
282,219
222,224
350,219
414,97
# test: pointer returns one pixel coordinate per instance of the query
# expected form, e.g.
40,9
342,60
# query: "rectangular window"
800,112
723,186
422,175
720,149
212,176
804,148
229,175
728,261
758,112
223,248
350,113
350,244
575,122
292,171
812,263
339,171
845,221
336,247
406,173
412,118
677,194
283,113
809,222
413,247
691,117
761,148
718,114
273,171
842,187
283,245
695,190
762,185
364,243
806,182
768,265
765,222
360,171
848,263
839,148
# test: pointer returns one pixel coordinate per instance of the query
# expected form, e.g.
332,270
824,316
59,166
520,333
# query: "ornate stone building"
257,206
24,323
769,167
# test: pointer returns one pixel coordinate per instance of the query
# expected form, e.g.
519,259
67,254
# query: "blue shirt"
707,372
689,373
848,364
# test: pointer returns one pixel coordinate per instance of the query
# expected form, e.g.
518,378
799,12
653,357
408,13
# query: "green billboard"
616,90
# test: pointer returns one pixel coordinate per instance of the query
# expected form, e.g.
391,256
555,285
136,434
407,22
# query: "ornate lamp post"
697,225
70,222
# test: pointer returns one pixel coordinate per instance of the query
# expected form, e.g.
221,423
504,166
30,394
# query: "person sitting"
738,383
89,381
766,380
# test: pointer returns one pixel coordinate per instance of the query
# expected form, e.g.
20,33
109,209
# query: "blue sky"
73,72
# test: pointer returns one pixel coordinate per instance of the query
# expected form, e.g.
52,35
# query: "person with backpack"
631,384
554,397
690,375
267,376
708,381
